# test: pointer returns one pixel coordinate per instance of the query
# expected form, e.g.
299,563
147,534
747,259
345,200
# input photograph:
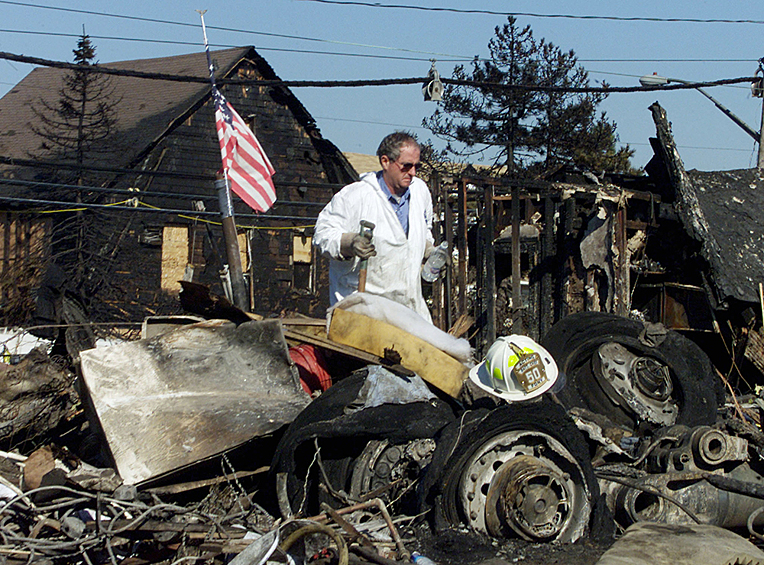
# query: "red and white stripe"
245,163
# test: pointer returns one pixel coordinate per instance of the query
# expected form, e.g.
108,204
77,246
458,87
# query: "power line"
424,128
538,15
70,166
628,75
58,165
137,193
218,28
691,147
73,207
753,60
199,79
372,82
451,59
408,126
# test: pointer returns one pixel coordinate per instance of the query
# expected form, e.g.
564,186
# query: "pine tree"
535,127
78,127
78,130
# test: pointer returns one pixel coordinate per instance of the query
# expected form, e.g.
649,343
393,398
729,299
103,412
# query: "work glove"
428,249
356,245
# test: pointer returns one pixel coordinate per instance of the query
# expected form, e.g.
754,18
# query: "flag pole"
240,296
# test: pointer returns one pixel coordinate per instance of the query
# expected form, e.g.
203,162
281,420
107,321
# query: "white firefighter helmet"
515,368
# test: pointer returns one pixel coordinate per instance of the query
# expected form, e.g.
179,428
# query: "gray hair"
392,144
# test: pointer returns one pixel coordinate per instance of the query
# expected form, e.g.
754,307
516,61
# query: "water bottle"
420,559
435,262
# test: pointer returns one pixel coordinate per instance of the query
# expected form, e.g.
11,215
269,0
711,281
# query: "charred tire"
517,471
574,341
342,436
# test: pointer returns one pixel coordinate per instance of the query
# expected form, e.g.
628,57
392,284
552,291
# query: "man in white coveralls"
400,207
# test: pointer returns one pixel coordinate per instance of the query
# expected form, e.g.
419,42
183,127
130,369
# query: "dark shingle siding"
170,127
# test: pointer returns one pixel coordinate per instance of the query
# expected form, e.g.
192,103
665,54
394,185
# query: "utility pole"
238,284
760,160
757,89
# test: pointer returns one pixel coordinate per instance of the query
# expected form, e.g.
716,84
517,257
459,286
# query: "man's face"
399,174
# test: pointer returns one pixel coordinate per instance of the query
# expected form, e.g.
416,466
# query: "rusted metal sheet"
185,395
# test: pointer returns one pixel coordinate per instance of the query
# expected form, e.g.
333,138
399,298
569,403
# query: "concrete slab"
664,544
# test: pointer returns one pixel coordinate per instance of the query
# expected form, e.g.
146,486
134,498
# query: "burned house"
549,258
146,214
678,247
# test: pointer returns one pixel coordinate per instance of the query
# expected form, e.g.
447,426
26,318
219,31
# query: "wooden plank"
302,337
303,322
373,336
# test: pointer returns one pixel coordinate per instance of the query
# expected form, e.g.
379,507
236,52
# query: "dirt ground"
462,547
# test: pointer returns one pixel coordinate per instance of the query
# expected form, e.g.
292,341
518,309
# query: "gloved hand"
428,249
356,245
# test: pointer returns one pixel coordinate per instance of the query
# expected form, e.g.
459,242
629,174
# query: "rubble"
213,450
35,395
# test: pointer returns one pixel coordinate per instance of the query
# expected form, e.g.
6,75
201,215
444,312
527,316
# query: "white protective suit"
395,271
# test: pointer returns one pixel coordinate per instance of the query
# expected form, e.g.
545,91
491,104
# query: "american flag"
245,163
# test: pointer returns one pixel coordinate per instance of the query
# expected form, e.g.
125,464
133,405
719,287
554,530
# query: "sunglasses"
406,167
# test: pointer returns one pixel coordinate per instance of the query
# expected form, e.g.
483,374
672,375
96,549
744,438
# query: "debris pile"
205,441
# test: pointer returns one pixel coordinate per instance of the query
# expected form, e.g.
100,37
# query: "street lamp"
656,80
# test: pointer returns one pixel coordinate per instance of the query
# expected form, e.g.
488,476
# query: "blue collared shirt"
400,204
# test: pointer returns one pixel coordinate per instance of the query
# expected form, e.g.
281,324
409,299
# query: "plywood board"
174,256
373,336
302,251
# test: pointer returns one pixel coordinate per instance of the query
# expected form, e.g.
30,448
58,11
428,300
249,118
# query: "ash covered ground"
459,546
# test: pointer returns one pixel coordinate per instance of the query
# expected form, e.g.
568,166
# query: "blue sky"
312,40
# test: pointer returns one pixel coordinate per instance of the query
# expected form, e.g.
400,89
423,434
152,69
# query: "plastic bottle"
420,559
435,262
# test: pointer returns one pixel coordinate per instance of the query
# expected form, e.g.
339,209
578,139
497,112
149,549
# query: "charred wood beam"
687,201
490,268
516,273
462,240
449,234
438,316
547,256
621,283
564,252
730,484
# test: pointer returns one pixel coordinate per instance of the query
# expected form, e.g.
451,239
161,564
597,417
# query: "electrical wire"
536,14
100,69
449,59
372,82
18,518
651,19
218,28
137,172
138,193
185,214
446,58
429,54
